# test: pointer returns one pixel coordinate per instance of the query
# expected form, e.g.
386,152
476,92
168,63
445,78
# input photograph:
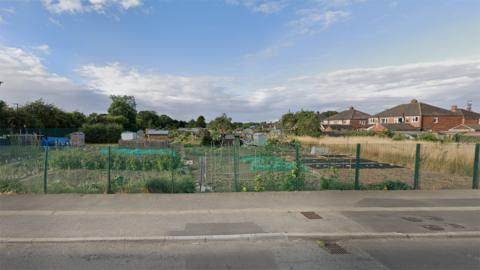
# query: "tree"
288,121
124,106
7,115
221,124
147,119
308,123
201,122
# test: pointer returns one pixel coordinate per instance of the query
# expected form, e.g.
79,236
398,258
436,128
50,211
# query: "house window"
415,119
383,120
344,122
399,120
363,122
372,120
435,120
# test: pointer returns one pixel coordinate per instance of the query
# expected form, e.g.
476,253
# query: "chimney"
414,101
350,108
454,108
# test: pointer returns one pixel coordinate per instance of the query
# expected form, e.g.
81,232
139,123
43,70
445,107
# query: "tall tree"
147,119
201,122
7,115
222,123
124,106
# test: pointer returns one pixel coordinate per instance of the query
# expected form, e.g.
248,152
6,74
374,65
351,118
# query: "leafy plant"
258,186
11,186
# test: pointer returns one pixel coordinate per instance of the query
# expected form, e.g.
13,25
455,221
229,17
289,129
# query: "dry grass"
453,159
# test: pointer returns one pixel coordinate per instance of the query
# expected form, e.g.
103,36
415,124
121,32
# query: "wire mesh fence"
235,168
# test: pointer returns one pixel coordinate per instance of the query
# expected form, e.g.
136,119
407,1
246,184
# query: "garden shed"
128,136
260,139
77,139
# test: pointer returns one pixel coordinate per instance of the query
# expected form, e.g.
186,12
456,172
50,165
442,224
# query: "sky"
251,59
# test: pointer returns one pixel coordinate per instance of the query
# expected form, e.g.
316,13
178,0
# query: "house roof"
468,114
156,132
472,127
415,108
400,127
349,114
338,127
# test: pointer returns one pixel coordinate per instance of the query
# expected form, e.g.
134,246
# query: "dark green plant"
11,186
258,186
389,185
159,185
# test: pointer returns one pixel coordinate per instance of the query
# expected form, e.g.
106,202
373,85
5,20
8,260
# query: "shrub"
258,186
334,184
389,185
429,137
60,187
399,137
183,184
102,133
159,185
11,186
91,188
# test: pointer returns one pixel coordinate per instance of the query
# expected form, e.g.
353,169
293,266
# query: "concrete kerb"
247,237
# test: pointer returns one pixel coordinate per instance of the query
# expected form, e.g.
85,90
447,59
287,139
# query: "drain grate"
311,215
412,219
432,227
334,248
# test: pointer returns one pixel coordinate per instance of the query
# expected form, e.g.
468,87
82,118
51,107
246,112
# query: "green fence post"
298,164
109,168
475,166
357,167
45,172
236,146
416,175
173,169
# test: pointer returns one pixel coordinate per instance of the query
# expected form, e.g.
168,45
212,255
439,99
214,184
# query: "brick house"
468,117
348,119
422,116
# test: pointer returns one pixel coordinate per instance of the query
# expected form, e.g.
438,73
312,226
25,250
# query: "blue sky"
253,59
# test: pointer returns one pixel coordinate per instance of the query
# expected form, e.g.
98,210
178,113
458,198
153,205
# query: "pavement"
272,230
267,215
369,254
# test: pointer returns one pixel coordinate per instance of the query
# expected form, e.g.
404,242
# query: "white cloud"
10,10
369,89
260,6
314,20
79,6
372,89
44,48
26,79
56,22
181,95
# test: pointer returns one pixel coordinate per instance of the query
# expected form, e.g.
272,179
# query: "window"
415,119
383,120
435,120
363,122
399,120
372,120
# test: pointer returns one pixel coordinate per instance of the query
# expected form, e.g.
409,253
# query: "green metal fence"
236,168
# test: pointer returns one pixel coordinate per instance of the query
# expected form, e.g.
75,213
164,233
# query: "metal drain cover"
311,215
334,248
